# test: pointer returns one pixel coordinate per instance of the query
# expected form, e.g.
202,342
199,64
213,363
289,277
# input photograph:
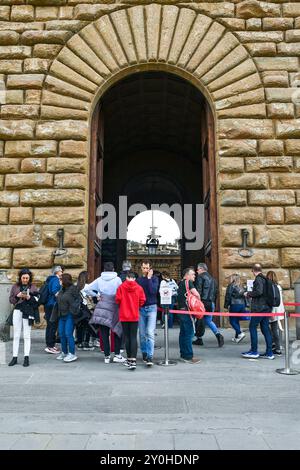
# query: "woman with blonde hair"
235,303
275,323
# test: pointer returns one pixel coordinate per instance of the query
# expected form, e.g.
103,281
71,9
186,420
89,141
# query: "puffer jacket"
107,313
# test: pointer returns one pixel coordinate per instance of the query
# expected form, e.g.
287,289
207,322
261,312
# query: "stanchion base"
288,371
169,363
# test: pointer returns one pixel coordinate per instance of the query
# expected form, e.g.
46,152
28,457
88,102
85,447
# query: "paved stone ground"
225,402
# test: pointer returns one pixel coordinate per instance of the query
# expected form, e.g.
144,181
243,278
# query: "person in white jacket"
275,323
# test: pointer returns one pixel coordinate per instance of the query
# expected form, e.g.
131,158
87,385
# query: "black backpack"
272,293
44,293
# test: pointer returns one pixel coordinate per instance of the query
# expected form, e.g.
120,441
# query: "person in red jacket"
130,296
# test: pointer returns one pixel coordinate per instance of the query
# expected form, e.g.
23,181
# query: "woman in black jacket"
66,308
24,297
235,302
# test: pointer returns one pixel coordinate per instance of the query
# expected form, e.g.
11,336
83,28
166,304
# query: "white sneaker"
234,339
70,358
106,359
240,337
61,356
119,358
50,351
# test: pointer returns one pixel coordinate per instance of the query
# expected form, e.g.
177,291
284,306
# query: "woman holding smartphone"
24,297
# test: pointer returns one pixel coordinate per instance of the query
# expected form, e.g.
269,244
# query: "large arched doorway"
153,141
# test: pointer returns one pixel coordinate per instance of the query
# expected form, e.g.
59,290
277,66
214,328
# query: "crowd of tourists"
111,311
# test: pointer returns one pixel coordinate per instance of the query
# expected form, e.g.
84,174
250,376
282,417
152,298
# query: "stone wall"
58,56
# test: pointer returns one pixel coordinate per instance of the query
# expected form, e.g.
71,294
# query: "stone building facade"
57,58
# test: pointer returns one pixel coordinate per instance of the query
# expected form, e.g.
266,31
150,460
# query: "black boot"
13,362
26,361
198,342
220,340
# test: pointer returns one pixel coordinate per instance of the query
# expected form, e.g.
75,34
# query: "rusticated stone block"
285,181
291,9
254,8
288,64
22,13
35,258
46,13
242,215
39,148
15,52
292,35
29,180
8,165
280,95
5,257
254,24
252,111
8,37
47,2
46,51
52,197
269,164
280,110
237,148
25,81
231,235
62,130
245,129
4,13
53,112
261,49
9,198
19,236
30,38
292,215
281,236
16,129
243,181
59,215
271,197
74,257
260,36
30,165
1,148
231,197
288,129
20,215
11,111
74,236
36,65
275,79
70,180
11,66
267,258
291,49
65,25
275,24
14,97
292,147
283,276
290,257
270,147
3,215
66,165
33,96
72,148
231,165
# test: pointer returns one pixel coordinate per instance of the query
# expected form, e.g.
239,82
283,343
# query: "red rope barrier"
229,314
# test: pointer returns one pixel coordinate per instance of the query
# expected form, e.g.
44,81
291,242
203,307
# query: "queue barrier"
287,370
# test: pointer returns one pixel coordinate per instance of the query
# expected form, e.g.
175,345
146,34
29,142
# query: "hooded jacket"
107,283
130,296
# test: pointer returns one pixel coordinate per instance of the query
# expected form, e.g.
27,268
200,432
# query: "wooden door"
96,191
209,193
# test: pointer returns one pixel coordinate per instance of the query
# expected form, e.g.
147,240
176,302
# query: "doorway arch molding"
152,37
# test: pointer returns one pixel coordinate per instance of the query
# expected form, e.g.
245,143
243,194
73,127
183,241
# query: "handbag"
194,304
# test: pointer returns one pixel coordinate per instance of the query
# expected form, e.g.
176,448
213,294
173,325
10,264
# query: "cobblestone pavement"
224,402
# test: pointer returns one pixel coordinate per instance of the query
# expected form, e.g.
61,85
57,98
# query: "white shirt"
107,283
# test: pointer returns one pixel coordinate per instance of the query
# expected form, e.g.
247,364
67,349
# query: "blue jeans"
265,329
65,329
235,321
147,325
186,336
208,319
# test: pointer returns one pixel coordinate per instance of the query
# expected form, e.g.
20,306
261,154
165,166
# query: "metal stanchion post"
287,369
167,361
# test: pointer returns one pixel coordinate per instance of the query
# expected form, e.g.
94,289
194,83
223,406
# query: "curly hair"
22,272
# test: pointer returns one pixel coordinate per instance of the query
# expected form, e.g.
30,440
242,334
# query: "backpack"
272,293
194,304
44,293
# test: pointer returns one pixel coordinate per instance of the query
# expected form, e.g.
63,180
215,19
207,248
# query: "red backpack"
194,304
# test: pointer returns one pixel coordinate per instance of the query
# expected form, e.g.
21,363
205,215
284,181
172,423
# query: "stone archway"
152,37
